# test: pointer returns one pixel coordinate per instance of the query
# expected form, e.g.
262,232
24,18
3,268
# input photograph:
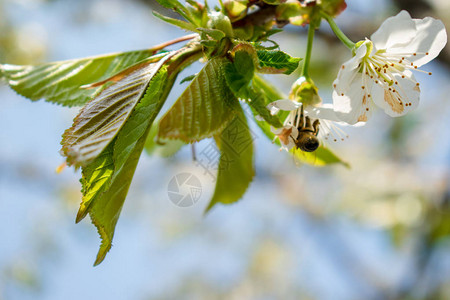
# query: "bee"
306,140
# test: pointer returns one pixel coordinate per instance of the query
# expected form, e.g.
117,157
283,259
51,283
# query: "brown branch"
172,42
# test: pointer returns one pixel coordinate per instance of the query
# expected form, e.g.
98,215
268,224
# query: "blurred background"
379,230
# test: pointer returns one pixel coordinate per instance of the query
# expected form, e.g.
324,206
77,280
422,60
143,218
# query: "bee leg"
308,126
296,118
315,125
302,119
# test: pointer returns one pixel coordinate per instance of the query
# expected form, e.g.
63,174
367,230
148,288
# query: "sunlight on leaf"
274,62
239,76
203,109
106,180
102,118
240,73
59,82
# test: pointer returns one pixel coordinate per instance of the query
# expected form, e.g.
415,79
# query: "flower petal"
398,99
283,104
353,107
349,70
286,135
324,112
276,131
328,126
288,146
399,29
430,37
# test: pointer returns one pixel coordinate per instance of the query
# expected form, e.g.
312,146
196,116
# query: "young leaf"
101,119
203,109
59,82
259,104
187,78
215,34
106,180
275,62
96,178
236,168
179,23
239,76
240,73
178,7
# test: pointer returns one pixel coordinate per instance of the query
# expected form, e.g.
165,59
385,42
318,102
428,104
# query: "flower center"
384,65
385,69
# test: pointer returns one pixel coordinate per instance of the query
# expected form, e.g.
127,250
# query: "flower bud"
217,20
236,9
294,12
333,7
305,91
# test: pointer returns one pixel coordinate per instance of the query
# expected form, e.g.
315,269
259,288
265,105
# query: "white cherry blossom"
380,71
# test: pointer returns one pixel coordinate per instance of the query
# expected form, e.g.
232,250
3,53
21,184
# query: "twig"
172,42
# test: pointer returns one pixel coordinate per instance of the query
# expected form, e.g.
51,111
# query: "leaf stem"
305,69
337,31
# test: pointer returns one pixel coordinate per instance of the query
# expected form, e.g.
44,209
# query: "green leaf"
215,34
198,12
59,82
275,62
240,73
106,180
239,76
101,119
236,168
179,23
259,103
270,93
188,78
203,109
209,44
321,157
96,177
273,31
178,7
218,20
